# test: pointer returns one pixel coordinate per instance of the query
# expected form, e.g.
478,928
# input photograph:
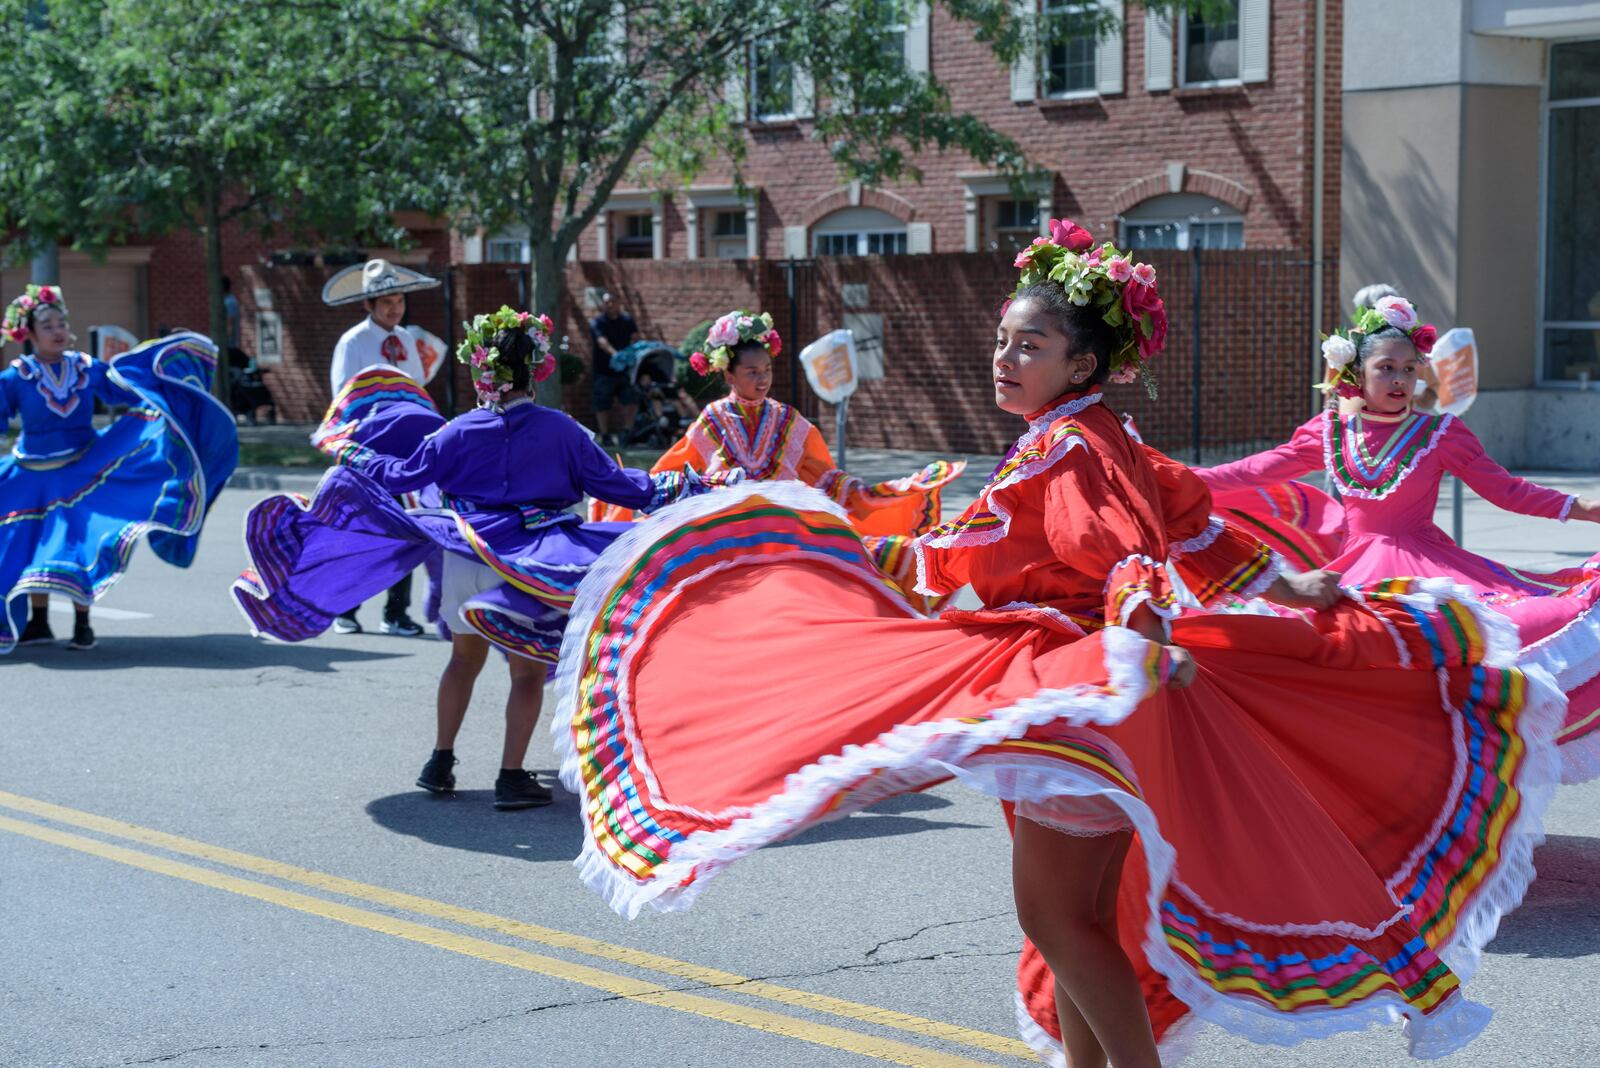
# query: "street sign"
430,350
1454,363
831,367
269,339
111,341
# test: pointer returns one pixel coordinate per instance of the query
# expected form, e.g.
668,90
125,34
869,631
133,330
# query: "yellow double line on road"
610,982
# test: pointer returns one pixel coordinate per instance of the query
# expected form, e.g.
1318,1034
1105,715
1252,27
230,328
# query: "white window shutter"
1255,39
794,243
736,88
919,56
919,238
1025,71
805,92
1157,51
1108,53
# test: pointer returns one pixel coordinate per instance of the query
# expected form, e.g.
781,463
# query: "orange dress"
1329,822
772,441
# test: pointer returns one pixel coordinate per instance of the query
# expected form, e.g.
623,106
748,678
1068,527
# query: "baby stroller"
247,391
664,408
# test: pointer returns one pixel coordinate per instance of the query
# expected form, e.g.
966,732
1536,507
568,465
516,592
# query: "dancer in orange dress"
1287,827
766,439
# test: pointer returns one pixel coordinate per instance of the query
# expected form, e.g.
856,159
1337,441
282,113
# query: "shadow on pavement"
205,652
1560,917
467,819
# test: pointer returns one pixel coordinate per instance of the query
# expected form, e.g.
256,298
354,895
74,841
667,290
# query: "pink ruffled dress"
1387,473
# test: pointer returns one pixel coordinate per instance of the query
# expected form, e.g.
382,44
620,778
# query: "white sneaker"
346,625
403,627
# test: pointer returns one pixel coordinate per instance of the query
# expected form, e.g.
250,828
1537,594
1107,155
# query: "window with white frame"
1570,304
891,20
1182,221
635,232
1010,223
505,248
772,83
728,237
1069,55
1208,51
859,232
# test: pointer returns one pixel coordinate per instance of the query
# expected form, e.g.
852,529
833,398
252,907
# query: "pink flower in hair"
1424,338
773,342
1397,312
700,364
480,356
1069,235
544,321
1024,258
1005,307
1347,390
725,331
544,369
1119,269
1125,374
20,334
1144,274
48,295
1094,257
25,302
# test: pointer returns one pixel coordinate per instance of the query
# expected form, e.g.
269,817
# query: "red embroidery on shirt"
392,349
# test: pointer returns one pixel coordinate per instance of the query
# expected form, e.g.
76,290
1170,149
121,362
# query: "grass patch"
270,454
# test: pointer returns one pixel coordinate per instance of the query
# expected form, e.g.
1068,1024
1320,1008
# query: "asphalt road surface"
211,854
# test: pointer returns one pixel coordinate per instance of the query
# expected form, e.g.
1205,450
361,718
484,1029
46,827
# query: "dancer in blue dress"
74,500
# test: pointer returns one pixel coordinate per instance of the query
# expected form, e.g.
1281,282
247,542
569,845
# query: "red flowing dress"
1329,822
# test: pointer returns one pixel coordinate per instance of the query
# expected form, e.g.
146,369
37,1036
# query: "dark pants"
395,605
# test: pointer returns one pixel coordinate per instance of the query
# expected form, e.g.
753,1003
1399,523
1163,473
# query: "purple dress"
494,487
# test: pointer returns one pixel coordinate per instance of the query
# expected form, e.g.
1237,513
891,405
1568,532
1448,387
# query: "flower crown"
731,331
17,312
1339,348
491,373
1106,277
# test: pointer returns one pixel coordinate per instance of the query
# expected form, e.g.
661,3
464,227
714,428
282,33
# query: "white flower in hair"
1397,312
1338,351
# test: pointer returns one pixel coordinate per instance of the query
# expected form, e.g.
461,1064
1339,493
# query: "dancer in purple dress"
504,476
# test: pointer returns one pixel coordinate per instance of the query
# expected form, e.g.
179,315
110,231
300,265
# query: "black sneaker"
37,632
82,637
403,626
346,624
436,777
519,789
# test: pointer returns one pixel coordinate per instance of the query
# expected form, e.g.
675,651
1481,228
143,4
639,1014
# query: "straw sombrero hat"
375,278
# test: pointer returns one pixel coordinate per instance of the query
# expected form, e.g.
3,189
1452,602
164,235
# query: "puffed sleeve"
1464,457
1214,560
601,477
429,464
1300,455
1099,523
8,395
107,388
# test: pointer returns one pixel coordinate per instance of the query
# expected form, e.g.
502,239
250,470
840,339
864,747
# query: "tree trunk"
219,313
549,283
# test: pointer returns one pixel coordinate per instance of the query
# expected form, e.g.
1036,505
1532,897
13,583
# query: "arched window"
858,232
1182,220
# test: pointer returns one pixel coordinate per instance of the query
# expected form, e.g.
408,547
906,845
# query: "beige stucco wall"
1401,195
1498,253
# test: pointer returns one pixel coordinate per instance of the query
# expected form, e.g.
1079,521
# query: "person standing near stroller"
377,340
616,400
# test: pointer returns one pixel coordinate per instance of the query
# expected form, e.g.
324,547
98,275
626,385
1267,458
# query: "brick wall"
1249,146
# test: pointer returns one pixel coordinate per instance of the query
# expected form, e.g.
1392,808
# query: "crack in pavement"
919,932
167,1058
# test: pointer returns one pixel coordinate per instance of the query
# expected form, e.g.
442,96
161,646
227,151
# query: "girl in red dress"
1287,827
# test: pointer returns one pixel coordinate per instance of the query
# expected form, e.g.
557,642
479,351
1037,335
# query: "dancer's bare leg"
522,710
467,654
1065,889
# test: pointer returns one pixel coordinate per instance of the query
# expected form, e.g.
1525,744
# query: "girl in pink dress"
1386,461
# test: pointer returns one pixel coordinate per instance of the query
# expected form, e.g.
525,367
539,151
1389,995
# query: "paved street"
211,853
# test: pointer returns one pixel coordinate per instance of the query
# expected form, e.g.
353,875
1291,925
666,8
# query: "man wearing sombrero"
377,340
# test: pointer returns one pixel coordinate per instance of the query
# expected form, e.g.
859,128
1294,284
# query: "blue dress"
494,487
74,501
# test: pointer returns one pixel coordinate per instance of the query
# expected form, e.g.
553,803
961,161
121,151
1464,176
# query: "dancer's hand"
1309,589
1183,667
1585,508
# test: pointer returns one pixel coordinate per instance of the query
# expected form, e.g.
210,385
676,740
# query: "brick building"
1173,136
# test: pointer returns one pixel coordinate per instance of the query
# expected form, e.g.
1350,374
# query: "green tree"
138,117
